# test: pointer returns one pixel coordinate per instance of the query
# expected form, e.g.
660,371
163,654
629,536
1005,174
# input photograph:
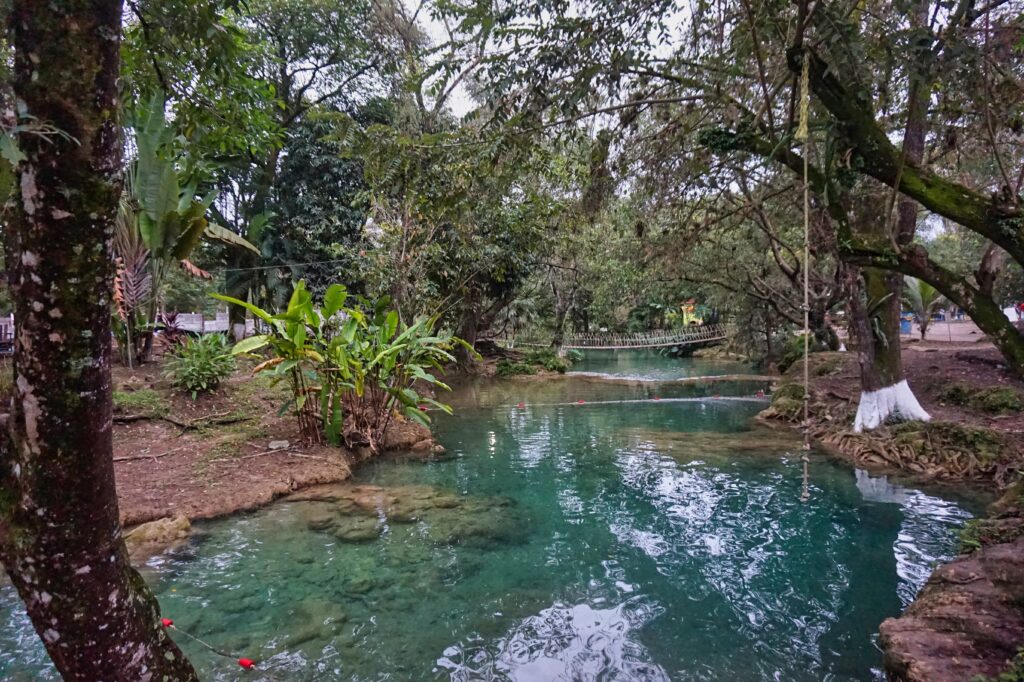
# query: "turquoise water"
624,538
652,365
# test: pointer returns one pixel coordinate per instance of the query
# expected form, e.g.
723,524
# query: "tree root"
935,450
197,423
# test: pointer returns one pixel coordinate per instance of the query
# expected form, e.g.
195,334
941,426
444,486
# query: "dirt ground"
932,368
212,456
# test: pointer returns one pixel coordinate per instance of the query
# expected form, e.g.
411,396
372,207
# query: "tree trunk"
60,539
469,327
236,285
875,324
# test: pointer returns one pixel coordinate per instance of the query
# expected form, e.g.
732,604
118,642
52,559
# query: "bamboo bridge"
697,335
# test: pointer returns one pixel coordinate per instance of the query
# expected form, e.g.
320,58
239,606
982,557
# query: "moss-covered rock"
993,400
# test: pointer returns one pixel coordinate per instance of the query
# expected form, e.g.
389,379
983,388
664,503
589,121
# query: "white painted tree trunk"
892,402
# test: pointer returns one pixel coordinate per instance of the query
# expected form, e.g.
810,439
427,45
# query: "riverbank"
967,621
222,453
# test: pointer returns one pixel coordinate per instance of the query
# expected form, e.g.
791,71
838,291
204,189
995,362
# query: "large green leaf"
255,310
250,344
223,235
334,299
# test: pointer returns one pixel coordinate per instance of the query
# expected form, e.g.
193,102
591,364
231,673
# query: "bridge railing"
695,334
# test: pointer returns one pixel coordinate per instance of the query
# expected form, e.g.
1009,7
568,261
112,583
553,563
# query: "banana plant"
163,204
357,365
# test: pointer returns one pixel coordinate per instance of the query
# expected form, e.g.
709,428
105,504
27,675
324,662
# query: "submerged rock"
357,513
351,528
156,536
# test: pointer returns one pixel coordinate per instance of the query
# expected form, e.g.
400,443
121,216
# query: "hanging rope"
803,135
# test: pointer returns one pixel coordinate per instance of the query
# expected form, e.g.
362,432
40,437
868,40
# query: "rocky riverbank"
178,460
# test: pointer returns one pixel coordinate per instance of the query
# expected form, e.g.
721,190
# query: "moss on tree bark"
60,539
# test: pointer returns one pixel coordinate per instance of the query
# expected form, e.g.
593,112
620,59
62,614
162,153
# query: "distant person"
1020,310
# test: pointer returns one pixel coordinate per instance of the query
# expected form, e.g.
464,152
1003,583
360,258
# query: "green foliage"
923,299
978,533
200,364
511,368
549,360
533,361
350,367
320,206
941,440
795,352
992,400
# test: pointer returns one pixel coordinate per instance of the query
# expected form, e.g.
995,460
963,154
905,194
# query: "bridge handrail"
653,338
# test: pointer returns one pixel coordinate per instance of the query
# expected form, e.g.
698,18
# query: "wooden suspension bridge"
697,335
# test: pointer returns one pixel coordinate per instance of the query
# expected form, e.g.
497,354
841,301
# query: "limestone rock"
156,536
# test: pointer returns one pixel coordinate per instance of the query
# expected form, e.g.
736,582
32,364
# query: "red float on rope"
580,402
657,398
521,405
246,663
167,622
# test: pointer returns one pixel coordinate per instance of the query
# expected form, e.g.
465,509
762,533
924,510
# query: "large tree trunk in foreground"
60,539
885,393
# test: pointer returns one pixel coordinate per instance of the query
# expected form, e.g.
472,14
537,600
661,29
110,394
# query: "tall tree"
60,537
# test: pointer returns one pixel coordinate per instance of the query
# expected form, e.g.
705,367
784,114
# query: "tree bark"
994,216
60,538
872,250
875,312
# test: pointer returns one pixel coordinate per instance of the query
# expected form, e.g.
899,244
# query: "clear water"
652,365
609,540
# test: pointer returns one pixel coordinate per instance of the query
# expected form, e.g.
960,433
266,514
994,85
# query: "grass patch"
994,400
143,401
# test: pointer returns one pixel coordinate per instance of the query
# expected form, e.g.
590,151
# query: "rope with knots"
803,135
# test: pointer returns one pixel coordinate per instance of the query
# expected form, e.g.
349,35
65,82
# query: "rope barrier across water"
760,397
246,663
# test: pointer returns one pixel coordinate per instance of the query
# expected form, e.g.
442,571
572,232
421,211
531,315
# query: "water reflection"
562,642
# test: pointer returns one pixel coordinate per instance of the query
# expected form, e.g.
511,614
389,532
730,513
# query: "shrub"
510,368
549,360
350,367
200,364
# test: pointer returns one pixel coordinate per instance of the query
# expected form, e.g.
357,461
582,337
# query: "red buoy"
580,402
521,405
246,663
167,622
760,394
657,398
